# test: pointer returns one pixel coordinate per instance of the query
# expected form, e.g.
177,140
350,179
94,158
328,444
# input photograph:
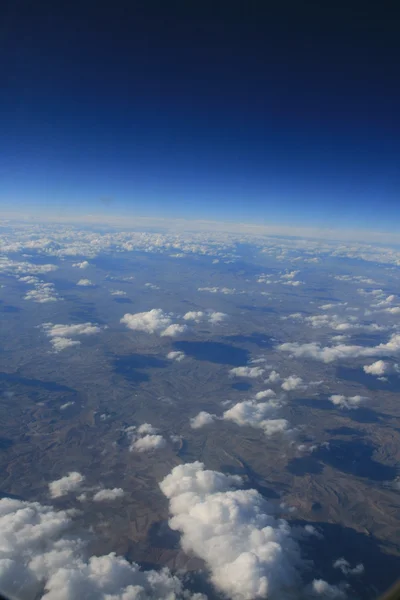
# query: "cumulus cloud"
249,553
42,293
40,559
329,354
349,402
148,443
107,495
265,394
59,330
58,334
30,279
292,383
290,275
81,265
176,355
344,566
70,483
322,589
146,428
153,321
217,317
194,315
173,330
273,377
251,372
380,367
145,438
118,293
85,282
260,415
216,290
203,418
198,316
62,343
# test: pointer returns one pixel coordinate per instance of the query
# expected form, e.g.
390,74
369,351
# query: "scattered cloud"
70,483
85,282
349,402
265,394
42,293
292,383
65,330
176,355
107,495
259,415
66,405
251,372
202,419
201,316
329,354
217,290
173,330
152,321
145,438
62,343
118,293
148,443
81,265
344,566
379,368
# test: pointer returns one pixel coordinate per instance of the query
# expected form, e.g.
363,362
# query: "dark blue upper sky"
255,111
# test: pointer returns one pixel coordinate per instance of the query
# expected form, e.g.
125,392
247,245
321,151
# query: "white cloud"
293,283
379,367
248,552
176,355
85,282
70,483
322,589
344,566
152,321
194,315
66,405
273,377
40,559
265,394
62,343
148,443
42,293
290,275
203,418
329,354
217,317
81,265
118,293
251,372
350,402
210,316
30,279
107,495
292,383
173,330
216,290
146,428
260,415
65,330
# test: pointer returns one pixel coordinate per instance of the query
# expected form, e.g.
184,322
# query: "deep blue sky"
255,111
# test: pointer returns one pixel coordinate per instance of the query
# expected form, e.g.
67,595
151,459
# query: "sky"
259,112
